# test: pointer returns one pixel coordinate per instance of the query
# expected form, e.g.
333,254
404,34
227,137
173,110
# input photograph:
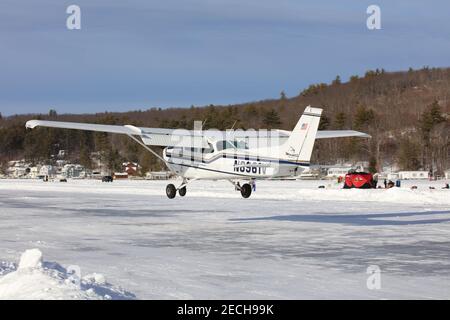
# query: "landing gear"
182,191
171,191
246,190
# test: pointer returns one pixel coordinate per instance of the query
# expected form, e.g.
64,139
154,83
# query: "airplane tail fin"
299,146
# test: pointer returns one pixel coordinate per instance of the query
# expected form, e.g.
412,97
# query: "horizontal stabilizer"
326,134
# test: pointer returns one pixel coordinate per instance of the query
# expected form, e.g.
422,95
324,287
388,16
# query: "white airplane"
232,155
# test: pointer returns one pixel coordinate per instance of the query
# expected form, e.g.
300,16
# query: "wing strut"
150,150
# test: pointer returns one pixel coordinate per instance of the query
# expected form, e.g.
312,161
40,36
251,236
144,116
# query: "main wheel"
246,190
182,191
171,191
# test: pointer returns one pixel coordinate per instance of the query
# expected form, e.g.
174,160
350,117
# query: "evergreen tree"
52,113
408,155
363,118
85,158
271,119
337,80
113,160
432,116
429,119
373,165
324,122
339,121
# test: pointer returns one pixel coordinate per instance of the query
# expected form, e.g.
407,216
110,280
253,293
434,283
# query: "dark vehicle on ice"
107,179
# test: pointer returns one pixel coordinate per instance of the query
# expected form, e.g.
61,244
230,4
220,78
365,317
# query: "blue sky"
139,54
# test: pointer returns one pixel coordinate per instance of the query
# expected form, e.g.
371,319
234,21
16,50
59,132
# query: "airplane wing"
188,138
80,126
326,134
150,136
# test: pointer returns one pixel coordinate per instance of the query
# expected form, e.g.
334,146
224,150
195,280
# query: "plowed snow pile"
36,279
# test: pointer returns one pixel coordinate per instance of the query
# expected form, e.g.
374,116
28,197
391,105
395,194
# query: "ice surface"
289,240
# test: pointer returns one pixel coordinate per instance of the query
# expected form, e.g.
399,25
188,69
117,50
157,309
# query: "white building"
73,171
18,172
34,172
413,175
18,169
392,176
309,174
159,175
60,163
47,170
341,171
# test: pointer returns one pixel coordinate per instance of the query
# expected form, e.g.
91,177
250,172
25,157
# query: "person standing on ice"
375,180
253,183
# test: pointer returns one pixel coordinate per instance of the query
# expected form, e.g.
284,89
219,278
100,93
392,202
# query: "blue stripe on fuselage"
302,164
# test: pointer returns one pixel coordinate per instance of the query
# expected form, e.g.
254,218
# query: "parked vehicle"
360,180
107,179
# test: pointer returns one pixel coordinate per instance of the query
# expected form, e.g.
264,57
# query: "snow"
35,279
289,240
30,259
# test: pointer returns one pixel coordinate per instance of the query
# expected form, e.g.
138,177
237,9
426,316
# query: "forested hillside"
407,113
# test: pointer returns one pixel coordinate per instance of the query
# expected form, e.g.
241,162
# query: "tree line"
407,114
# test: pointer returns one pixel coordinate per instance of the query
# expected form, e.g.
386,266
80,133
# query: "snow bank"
393,195
30,259
39,280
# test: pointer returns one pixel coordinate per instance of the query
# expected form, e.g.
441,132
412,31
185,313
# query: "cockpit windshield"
224,144
240,144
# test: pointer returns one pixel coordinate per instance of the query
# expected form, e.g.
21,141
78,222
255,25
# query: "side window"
220,145
241,144
210,149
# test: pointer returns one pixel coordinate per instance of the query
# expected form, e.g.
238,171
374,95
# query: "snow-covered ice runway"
289,240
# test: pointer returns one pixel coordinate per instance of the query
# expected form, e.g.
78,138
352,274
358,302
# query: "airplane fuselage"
229,165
